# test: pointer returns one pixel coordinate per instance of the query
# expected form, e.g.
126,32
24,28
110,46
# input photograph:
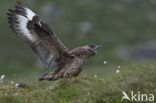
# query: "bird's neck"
78,52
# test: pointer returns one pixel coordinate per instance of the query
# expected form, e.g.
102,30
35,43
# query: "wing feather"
38,35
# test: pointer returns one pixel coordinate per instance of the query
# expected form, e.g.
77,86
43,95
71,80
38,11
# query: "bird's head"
92,49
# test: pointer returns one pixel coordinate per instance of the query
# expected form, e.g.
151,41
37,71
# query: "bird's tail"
43,77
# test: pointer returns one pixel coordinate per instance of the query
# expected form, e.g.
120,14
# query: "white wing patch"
23,26
23,23
30,14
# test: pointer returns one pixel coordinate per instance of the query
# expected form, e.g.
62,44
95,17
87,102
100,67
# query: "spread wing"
38,36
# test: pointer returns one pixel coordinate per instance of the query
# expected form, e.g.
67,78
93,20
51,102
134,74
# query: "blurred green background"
125,29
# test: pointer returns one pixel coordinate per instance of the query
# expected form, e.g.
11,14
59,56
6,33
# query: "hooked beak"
97,47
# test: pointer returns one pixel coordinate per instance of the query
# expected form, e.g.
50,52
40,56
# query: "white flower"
17,84
15,94
117,71
95,76
12,82
2,77
118,66
105,62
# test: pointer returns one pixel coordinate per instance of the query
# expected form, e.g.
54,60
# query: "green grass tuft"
82,89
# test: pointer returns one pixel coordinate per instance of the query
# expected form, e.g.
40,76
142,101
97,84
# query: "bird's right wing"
37,34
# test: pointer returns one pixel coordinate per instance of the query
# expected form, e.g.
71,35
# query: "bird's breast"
75,67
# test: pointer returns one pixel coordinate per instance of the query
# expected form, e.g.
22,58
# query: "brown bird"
62,62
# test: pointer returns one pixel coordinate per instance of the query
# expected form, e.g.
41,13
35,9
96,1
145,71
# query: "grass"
82,89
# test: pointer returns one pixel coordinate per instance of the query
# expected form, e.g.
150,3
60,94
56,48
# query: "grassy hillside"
118,25
83,89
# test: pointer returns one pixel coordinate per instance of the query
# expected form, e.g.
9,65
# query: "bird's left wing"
40,38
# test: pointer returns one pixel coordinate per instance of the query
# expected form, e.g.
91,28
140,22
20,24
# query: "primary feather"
39,37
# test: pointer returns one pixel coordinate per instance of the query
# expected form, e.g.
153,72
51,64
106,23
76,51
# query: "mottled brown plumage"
62,62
